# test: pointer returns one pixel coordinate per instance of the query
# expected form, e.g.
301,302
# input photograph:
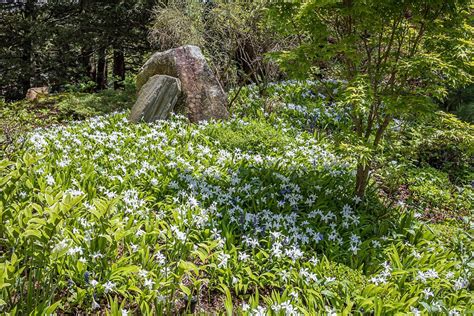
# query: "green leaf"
188,266
32,232
185,289
228,300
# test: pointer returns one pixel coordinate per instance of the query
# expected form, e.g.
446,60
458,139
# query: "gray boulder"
203,97
156,99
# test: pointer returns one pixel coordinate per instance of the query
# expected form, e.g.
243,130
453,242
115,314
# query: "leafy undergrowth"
16,118
250,216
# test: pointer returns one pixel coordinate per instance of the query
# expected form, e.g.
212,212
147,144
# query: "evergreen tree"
60,42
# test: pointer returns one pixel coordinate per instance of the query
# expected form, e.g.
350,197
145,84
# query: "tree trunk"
27,67
362,179
101,77
86,62
27,47
119,68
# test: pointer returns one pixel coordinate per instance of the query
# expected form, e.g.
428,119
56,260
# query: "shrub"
449,146
232,35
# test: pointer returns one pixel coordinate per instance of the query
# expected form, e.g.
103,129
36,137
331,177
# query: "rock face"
203,97
33,93
156,99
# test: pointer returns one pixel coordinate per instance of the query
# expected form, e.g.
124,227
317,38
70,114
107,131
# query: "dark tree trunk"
101,76
119,68
27,67
27,47
362,178
86,63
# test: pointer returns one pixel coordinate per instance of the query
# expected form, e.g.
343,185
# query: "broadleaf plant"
395,58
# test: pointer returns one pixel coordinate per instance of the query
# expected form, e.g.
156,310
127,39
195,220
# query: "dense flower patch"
172,217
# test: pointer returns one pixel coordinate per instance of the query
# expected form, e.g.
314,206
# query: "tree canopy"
397,57
57,42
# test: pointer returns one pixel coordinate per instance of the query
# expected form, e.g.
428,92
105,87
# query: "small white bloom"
160,258
460,283
95,305
243,256
428,293
109,286
223,258
454,312
149,284
50,180
96,255
143,273
73,250
415,311
134,247
294,295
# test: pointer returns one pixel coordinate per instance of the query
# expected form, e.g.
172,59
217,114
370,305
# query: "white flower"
259,311
63,244
96,255
376,244
149,284
378,280
50,180
357,199
460,283
124,312
415,311
424,276
143,273
134,247
294,295
428,293
73,250
109,286
243,256
95,305
223,258
314,260
94,283
449,275
331,312
179,234
160,258
285,275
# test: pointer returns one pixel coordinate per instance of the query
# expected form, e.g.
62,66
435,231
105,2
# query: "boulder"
203,97
33,93
156,99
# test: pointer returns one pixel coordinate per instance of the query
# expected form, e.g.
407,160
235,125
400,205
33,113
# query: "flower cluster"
169,213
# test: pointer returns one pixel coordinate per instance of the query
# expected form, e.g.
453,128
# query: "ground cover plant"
19,117
252,216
